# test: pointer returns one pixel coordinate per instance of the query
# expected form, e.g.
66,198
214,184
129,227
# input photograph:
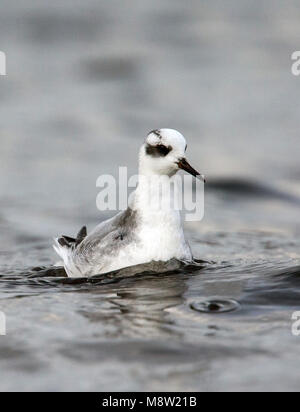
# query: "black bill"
184,165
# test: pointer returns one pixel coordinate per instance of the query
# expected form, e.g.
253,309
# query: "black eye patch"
159,150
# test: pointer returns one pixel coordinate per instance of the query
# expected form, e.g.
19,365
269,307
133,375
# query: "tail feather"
82,234
69,240
65,246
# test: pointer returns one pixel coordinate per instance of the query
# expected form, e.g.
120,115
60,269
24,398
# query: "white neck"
154,198
160,224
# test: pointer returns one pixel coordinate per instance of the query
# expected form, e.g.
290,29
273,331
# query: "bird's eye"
159,150
163,150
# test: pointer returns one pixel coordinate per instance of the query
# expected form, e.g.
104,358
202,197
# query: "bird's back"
94,253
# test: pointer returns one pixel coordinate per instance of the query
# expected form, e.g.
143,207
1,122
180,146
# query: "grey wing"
107,238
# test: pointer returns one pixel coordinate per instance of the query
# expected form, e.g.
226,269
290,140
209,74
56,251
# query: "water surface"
86,81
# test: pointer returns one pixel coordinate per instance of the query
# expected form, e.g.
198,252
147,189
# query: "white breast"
160,228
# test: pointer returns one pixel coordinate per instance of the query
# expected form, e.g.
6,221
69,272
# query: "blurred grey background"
87,80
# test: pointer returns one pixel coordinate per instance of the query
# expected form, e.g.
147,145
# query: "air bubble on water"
215,305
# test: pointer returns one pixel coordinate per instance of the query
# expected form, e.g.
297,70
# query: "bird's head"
164,153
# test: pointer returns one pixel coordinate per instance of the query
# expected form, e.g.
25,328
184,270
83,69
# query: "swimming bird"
142,233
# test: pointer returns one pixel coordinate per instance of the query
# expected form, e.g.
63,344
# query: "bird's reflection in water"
138,307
